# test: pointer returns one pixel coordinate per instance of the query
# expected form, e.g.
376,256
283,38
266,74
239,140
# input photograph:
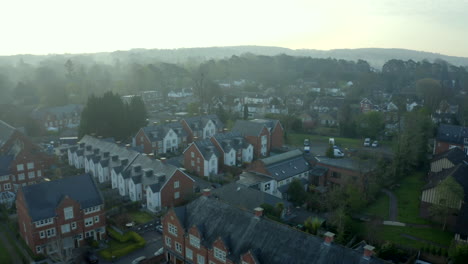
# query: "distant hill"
375,56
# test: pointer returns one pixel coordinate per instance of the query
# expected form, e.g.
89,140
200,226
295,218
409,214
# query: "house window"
189,253
192,154
168,241
192,163
96,219
267,187
68,212
73,225
38,249
194,241
176,195
220,254
176,184
198,160
30,165
21,177
31,174
89,221
65,228
39,173
6,186
51,232
4,178
42,234
200,259
20,167
172,229
336,175
178,247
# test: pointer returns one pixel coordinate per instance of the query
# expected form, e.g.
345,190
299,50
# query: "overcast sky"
84,26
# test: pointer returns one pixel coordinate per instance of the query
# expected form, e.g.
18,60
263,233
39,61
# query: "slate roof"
5,162
59,111
158,132
199,122
248,128
271,242
452,134
318,171
251,178
231,140
5,132
285,165
107,146
206,148
454,155
162,172
244,197
43,198
347,163
269,123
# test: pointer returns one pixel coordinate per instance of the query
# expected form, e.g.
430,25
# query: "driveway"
153,243
393,205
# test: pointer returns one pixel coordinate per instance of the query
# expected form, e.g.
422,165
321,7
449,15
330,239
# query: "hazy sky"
82,26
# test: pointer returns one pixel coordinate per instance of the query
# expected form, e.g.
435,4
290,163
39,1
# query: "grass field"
394,234
379,208
298,140
4,254
409,198
141,217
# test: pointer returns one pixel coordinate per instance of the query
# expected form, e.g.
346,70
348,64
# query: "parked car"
159,252
138,260
375,144
159,228
91,258
306,145
367,142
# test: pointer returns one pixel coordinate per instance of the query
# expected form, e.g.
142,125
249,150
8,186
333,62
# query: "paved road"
393,205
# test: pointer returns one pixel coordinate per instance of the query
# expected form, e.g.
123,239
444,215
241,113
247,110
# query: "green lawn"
379,208
141,217
409,198
394,234
4,254
298,140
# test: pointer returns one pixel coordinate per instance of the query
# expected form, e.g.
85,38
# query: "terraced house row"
136,175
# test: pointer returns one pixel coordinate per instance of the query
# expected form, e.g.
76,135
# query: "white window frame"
7,186
168,242
176,184
172,229
88,221
73,226
20,167
31,175
65,228
96,219
178,247
200,259
21,177
188,253
30,165
219,254
194,241
68,212
176,195
42,234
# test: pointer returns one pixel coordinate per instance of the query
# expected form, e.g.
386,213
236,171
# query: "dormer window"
194,241
68,212
220,254
172,229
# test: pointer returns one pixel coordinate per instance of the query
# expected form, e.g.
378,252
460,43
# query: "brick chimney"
328,238
258,212
368,252
206,192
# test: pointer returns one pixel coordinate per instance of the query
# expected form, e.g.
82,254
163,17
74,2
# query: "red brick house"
233,149
201,158
343,170
276,132
60,117
59,215
22,160
366,105
161,139
450,136
201,127
257,134
209,231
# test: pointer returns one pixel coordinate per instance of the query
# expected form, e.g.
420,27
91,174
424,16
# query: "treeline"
109,116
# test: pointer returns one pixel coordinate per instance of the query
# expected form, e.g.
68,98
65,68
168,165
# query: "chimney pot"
127,146
258,212
329,236
368,251
206,192
163,160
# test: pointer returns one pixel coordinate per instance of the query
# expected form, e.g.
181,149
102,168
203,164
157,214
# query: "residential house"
201,127
161,139
233,148
59,117
23,162
432,195
276,132
255,133
344,170
327,104
208,230
450,136
59,215
247,198
366,105
280,170
201,158
448,160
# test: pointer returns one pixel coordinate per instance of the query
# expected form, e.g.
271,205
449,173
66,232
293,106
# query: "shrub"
129,236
